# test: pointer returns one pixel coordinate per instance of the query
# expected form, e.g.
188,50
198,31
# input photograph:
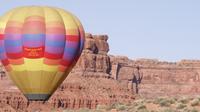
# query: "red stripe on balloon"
5,62
51,61
74,38
62,68
15,55
34,27
1,36
65,69
65,62
52,56
13,30
16,61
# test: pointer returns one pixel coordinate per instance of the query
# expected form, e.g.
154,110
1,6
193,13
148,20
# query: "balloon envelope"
38,47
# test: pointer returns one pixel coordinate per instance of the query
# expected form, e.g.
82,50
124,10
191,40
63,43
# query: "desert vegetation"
162,104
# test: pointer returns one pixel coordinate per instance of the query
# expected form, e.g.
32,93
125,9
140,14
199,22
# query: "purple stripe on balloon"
71,50
55,37
67,56
33,37
81,45
13,36
13,49
54,50
1,43
33,43
71,44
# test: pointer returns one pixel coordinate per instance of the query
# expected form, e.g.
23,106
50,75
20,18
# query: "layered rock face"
158,78
89,84
102,79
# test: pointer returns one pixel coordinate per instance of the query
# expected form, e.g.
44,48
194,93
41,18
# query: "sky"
167,30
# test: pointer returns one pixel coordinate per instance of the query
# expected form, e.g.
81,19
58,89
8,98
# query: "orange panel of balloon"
38,48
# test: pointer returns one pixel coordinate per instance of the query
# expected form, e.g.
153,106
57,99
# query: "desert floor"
163,104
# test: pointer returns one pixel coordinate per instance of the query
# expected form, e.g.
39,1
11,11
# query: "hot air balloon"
39,46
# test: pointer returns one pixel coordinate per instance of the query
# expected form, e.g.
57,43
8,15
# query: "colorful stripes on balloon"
39,44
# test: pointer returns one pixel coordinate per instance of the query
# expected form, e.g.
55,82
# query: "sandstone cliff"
89,84
99,78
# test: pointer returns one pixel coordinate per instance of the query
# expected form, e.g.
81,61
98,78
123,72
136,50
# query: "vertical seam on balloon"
67,71
20,84
6,52
73,63
81,45
82,36
43,70
6,23
22,43
41,77
4,39
26,71
62,52
77,28
60,80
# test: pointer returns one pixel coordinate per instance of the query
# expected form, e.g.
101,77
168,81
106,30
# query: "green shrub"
168,110
68,110
154,111
194,110
183,100
181,106
195,102
172,100
121,107
84,110
140,101
164,103
141,106
149,101
186,110
98,111
101,107
110,107
142,110
118,106
158,100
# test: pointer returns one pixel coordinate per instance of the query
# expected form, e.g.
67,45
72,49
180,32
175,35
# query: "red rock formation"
159,78
100,79
88,85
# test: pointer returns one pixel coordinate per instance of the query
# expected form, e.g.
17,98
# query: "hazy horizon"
166,30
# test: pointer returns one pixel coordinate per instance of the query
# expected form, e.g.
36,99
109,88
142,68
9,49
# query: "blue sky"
159,29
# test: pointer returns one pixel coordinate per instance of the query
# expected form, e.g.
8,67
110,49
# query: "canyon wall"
158,78
102,79
88,85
